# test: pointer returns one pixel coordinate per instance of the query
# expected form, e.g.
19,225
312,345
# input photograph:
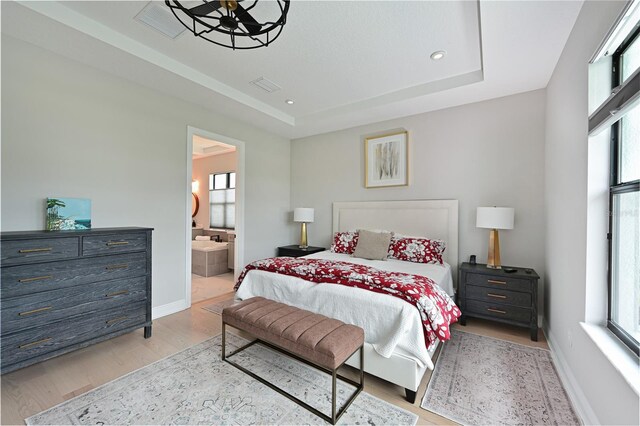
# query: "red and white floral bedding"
418,250
437,310
410,249
345,242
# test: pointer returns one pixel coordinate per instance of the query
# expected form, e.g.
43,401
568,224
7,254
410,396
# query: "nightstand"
295,251
493,294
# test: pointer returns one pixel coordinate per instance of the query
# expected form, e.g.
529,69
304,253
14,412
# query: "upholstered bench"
314,339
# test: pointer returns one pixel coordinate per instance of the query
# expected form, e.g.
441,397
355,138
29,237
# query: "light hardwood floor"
33,389
203,288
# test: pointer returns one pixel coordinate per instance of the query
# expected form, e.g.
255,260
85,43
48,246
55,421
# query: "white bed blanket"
390,324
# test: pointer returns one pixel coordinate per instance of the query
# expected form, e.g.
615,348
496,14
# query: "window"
624,199
222,200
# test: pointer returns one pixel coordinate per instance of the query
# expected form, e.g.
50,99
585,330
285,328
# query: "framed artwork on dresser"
64,214
386,160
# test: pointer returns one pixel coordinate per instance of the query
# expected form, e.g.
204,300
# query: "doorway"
215,202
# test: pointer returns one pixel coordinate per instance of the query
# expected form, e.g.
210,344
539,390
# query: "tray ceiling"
344,63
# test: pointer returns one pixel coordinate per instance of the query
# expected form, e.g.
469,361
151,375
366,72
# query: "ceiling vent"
266,85
160,18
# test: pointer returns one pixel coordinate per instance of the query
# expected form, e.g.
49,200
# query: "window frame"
212,179
616,188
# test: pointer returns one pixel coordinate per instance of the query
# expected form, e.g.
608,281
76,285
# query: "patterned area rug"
217,307
195,387
480,380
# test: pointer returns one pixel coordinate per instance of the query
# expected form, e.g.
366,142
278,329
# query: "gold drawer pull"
118,266
497,311
496,282
35,311
28,280
117,243
118,293
38,342
497,296
36,250
115,320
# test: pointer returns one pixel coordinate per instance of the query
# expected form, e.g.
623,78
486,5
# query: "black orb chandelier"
234,23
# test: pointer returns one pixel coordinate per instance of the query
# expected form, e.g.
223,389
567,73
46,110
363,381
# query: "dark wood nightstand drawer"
497,310
498,295
498,282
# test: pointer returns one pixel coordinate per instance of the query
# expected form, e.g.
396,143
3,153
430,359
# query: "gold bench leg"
224,338
362,366
333,397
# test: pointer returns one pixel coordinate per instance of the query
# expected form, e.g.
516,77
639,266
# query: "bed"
395,346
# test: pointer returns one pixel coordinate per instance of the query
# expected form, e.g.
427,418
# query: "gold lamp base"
303,236
493,259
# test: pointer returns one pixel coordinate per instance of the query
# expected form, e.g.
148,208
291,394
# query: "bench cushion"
322,340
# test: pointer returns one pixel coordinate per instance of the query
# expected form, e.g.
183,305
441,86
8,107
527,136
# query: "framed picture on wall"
386,160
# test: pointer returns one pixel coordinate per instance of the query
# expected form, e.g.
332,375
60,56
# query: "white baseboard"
168,309
577,397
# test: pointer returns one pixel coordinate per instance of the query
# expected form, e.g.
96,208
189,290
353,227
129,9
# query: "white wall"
483,154
71,130
601,390
202,168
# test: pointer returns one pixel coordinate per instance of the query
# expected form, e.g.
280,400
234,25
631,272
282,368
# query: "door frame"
240,186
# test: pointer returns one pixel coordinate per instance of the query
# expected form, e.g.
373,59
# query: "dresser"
296,251
494,294
66,290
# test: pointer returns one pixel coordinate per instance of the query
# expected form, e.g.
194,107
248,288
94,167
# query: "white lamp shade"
495,217
303,214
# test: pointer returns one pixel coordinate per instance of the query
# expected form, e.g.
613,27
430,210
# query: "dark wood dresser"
64,290
494,294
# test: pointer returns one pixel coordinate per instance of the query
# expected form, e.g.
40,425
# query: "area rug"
481,380
217,307
195,387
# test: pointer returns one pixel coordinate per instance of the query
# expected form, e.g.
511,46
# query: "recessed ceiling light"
289,102
438,54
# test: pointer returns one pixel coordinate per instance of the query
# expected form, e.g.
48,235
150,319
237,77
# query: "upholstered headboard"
437,219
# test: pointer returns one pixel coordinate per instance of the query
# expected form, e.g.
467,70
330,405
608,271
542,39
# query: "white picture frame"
386,160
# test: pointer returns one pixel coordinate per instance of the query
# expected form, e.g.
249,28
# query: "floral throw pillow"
417,250
344,242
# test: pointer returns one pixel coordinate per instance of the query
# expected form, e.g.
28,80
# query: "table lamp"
494,218
303,215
